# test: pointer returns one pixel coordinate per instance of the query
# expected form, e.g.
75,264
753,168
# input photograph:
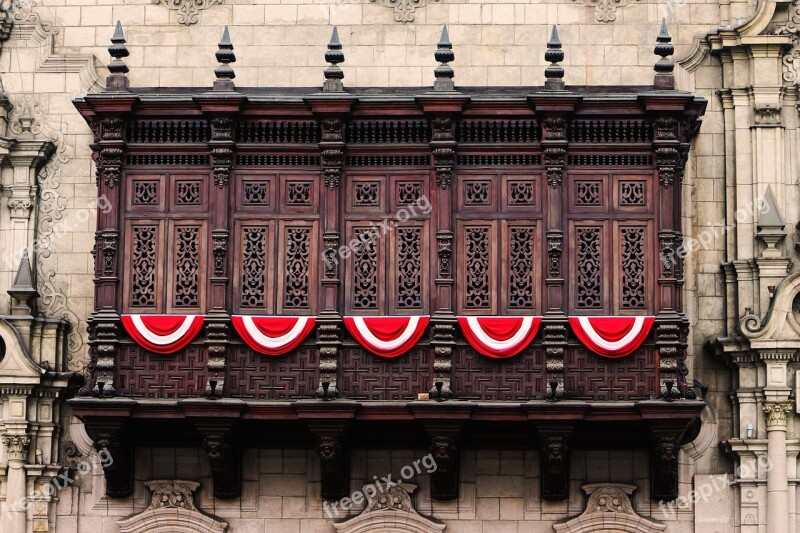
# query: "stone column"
777,479
14,519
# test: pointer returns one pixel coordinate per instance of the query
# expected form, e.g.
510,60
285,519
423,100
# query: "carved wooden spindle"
225,55
334,74
444,72
664,78
117,79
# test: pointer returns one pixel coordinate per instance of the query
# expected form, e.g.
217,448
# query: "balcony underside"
223,427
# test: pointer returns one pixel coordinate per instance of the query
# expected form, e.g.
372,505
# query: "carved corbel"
334,457
113,442
221,443
443,147
554,450
665,445
668,159
444,446
555,241
222,149
332,151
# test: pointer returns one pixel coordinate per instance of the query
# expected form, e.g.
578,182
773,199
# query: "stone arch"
172,510
706,437
609,510
389,510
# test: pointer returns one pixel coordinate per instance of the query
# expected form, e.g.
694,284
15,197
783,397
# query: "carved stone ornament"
404,10
172,508
16,447
188,10
20,207
609,509
444,482
389,509
605,10
776,413
224,456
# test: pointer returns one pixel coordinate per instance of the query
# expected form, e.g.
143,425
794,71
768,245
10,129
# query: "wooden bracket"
444,439
554,450
334,457
221,443
114,447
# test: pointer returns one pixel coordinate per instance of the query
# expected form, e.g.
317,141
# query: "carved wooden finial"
117,79
554,73
664,67
444,55
225,56
334,74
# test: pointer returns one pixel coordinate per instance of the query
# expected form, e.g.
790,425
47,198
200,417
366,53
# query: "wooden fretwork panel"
364,376
387,238
148,375
588,376
477,377
143,287
187,266
250,375
296,273
253,283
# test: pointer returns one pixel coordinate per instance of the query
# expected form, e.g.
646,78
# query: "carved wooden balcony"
541,203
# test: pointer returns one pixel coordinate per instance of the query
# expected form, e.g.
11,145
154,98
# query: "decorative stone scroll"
188,10
172,509
389,509
404,10
609,509
606,10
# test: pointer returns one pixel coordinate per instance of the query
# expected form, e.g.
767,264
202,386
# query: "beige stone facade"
741,57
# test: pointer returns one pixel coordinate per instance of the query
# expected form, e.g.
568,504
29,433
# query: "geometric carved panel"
364,376
476,377
587,376
250,375
145,374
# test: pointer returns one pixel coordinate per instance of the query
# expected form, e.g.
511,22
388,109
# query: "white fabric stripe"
273,342
371,339
159,339
483,337
638,324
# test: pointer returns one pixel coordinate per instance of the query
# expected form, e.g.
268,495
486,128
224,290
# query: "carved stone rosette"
222,149
188,10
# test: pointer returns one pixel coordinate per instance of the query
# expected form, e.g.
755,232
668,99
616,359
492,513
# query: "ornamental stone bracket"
404,10
172,509
605,10
389,510
188,10
609,509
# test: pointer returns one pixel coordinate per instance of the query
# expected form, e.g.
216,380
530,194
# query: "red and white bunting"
499,336
273,335
163,334
612,336
387,336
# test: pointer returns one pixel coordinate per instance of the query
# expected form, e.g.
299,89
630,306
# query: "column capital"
777,413
17,446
